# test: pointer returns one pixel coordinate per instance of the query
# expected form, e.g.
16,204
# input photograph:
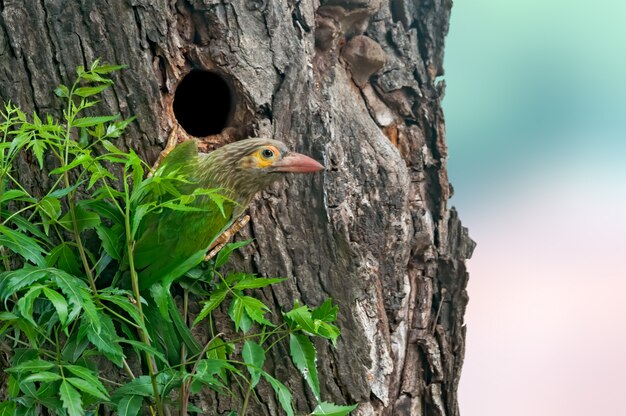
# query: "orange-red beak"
297,163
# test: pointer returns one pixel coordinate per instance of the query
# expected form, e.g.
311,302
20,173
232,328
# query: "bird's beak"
298,163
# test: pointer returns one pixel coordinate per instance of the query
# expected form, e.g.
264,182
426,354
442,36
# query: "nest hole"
203,103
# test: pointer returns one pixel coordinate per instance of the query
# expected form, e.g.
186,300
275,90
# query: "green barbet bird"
170,242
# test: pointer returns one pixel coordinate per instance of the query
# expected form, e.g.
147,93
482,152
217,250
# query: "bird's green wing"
176,241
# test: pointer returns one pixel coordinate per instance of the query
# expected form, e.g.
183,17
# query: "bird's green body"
170,242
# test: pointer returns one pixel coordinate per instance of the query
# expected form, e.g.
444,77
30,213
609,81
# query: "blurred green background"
535,111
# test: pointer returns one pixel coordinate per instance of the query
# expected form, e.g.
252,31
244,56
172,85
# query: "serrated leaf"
38,147
86,387
106,69
253,355
50,206
326,312
330,409
303,356
12,194
106,340
81,159
11,282
224,254
90,91
84,219
256,283
92,121
60,193
217,297
129,405
282,392
23,245
302,317
71,288
137,216
25,303
75,347
87,375
44,376
256,310
111,239
237,313
207,371
59,303
71,399
31,366
122,301
140,386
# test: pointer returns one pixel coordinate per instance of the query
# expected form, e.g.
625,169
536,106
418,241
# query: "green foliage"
66,317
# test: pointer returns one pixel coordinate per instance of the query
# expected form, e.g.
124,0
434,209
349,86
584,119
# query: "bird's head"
249,166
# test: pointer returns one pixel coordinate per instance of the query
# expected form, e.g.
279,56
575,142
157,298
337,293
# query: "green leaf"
106,210
18,194
75,347
71,288
87,387
122,301
45,376
92,121
106,340
139,386
302,316
111,239
106,69
217,297
224,254
282,392
60,193
326,312
62,91
253,355
65,258
90,91
71,399
31,366
256,282
87,375
304,356
50,209
11,282
256,310
137,216
38,146
129,405
207,371
330,409
81,159
84,219
8,316
25,303
140,346
59,303
23,245
237,313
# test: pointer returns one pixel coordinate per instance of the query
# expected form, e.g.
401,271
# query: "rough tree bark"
355,84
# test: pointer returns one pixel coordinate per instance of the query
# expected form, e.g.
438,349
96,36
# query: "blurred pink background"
536,113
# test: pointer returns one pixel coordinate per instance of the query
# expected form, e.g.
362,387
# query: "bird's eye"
267,153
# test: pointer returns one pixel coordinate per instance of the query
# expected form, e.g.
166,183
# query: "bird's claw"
221,241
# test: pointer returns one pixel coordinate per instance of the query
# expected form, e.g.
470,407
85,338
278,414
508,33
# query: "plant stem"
152,368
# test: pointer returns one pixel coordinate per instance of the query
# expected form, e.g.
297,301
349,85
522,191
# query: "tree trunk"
351,82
